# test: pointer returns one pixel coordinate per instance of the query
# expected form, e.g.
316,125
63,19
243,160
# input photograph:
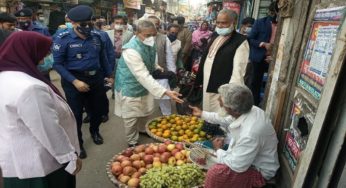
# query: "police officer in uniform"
25,23
81,61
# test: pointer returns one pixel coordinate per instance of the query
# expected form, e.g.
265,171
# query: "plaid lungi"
221,176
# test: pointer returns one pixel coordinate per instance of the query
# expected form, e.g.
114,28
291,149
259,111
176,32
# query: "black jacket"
222,67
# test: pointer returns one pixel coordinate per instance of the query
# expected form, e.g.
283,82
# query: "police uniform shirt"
71,53
108,47
38,27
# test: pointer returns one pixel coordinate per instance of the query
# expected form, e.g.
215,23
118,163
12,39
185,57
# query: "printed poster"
319,50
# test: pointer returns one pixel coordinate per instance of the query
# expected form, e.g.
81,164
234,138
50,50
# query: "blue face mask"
224,31
68,25
47,64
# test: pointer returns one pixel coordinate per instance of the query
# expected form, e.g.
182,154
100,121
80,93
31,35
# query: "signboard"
133,4
302,118
319,50
232,6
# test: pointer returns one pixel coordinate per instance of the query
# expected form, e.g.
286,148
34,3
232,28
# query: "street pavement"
93,173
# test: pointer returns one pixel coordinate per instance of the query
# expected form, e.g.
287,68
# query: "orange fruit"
202,133
174,138
159,134
181,132
166,135
153,130
180,138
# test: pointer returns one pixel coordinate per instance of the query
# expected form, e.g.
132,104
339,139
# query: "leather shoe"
83,153
97,138
105,118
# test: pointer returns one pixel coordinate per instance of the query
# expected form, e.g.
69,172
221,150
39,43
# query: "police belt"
84,73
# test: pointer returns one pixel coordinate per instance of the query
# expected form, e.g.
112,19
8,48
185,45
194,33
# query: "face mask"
248,30
24,24
100,24
68,25
86,31
118,27
47,64
150,41
224,31
172,37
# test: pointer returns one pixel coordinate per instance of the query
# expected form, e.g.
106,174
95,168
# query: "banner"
232,6
133,4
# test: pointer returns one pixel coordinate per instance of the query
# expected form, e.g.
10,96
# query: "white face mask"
224,31
150,41
118,27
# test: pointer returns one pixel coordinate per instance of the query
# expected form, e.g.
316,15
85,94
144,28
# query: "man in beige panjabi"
135,88
224,61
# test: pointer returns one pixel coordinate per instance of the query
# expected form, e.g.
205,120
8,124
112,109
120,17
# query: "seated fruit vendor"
251,157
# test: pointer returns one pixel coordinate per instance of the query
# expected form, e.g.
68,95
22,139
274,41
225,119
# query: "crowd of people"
139,63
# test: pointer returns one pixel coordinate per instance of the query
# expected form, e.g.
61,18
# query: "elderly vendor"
251,157
135,87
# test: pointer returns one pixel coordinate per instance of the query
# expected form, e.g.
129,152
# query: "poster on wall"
302,118
319,50
232,6
133,4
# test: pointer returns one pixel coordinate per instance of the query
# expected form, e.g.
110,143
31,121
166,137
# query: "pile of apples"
132,163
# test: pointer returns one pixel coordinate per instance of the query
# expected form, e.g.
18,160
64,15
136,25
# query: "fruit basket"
176,128
125,168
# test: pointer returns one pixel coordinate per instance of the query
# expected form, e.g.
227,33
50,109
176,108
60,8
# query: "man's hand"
78,166
81,86
268,46
110,80
174,96
196,111
218,142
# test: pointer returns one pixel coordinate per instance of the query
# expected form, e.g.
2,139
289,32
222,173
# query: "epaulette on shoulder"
63,34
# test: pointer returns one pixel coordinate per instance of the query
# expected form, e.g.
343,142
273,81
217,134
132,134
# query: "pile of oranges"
178,128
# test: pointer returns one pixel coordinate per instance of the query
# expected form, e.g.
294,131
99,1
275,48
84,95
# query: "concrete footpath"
93,173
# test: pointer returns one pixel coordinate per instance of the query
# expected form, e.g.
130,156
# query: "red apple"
124,179
116,163
179,156
129,170
157,154
139,149
156,159
142,170
148,159
174,151
124,159
126,163
128,152
167,142
149,151
116,170
136,175
164,159
141,154
157,164
133,182
137,164
149,166
167,154
155,148
135,157
162,148
119,158
179,146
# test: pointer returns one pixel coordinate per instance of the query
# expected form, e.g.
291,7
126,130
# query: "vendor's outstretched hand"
174,96
196,111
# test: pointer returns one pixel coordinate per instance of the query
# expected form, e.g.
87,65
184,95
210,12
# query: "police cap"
25,12
80,13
